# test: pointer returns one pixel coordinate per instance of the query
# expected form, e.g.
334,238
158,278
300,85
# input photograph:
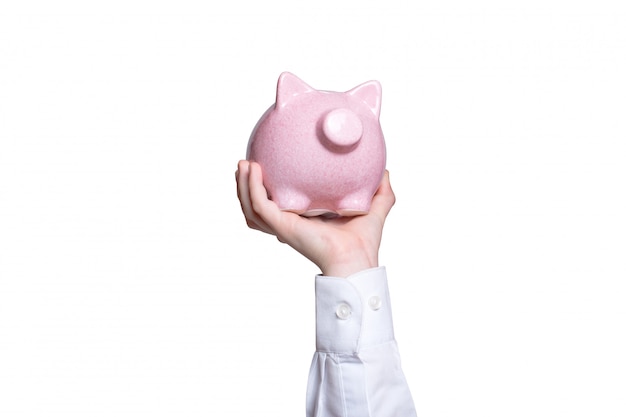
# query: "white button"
375,302
343,311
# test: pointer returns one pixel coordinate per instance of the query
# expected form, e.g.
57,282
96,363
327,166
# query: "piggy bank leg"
292,200
354,204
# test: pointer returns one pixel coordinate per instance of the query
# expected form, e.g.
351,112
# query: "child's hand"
339,246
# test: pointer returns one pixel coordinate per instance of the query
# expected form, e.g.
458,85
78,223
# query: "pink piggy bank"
322,152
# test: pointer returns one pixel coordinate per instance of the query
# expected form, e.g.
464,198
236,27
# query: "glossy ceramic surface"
322,152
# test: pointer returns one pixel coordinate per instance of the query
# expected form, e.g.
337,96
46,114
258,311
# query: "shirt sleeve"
356,369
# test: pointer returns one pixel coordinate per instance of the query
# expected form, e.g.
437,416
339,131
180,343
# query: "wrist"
349,263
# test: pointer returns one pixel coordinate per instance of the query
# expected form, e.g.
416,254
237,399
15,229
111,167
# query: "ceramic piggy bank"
321,152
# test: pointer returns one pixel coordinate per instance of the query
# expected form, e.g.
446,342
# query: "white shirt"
356,368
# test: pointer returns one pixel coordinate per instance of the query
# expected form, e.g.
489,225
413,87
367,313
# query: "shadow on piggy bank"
322,152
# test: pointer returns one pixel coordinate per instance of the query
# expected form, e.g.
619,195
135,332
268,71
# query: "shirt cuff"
353,313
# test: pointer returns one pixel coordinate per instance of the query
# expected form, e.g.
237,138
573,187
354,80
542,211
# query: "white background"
130,285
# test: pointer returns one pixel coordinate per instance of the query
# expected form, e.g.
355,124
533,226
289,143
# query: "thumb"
384,198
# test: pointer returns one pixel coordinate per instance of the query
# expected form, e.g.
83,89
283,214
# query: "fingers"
384,198
243,193
272,219
241,176
266,212
260,212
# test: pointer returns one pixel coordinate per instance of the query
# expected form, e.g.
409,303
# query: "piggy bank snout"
342,127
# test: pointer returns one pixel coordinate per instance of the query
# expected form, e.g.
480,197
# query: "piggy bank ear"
370,93
289,86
